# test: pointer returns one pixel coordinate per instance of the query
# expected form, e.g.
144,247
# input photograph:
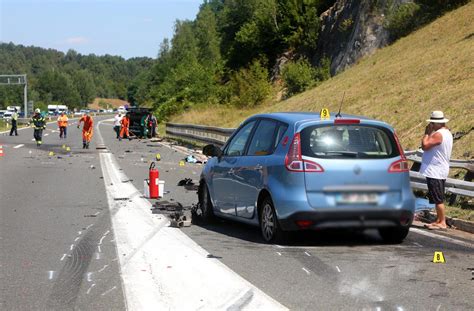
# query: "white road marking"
307,254
64,256
97,256
90,288
89,226
108,291
338,270
101,239
79,232
180,266
279,254
51,275
33,139
89,275
442,237
75,240
306,270
96,213
72,247
46,134
105,266
99,249
18,146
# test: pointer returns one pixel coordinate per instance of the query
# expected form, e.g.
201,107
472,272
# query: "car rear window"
348,142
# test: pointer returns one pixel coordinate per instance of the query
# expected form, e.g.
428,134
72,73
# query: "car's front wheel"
271,231
205,204
394,235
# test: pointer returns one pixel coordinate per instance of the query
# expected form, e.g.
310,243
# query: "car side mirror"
212,151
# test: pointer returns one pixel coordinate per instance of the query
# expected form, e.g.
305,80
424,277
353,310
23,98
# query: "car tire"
205,204
269,226
394,235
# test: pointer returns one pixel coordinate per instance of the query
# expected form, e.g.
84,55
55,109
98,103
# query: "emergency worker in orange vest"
87,129
124,132
62,124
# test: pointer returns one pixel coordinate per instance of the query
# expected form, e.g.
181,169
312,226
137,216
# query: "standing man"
437,144
62,124
117,124
150,123
14,123
124,133
87,129
39,124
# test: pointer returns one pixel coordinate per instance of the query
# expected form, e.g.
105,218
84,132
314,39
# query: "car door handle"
258,167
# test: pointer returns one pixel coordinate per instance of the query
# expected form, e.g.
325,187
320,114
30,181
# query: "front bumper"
348,219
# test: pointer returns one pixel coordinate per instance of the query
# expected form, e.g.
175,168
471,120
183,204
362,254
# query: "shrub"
403,20
298,76
249,87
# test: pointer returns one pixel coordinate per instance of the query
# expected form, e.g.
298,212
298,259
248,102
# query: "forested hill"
66,78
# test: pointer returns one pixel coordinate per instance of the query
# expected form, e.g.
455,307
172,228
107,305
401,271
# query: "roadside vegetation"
401,84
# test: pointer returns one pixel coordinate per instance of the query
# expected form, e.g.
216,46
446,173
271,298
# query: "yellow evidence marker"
324,114
438,257
64,146
158,157
181,163
68,149
51,154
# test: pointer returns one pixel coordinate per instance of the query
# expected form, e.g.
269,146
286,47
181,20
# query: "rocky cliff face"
352,29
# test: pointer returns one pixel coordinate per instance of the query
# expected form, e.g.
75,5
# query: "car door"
223,172
251,169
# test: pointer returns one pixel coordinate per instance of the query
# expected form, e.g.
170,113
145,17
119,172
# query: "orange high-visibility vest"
62,121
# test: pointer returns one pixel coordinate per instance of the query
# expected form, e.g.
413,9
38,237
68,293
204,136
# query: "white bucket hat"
437,117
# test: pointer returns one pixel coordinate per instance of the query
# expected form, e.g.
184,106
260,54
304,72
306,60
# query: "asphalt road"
51,203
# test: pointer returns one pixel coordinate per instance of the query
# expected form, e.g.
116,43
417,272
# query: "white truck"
57,109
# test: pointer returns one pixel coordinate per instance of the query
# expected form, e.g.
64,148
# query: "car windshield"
348,142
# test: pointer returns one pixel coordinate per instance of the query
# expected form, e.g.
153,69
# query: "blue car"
297,171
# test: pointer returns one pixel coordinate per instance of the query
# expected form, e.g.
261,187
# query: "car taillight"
398,166
346,121
294,161
304,224
399,146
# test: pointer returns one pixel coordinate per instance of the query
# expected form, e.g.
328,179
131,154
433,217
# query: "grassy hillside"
432,69
112,102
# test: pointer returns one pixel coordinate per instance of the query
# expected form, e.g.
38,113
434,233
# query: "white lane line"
64,256
89,226
179,264
99,249
18,146
97,256
96,213
306,270
338,270
89,275
105,266
279,254
75,240
108,291
90,288
72,247
442,237
307,254
51,275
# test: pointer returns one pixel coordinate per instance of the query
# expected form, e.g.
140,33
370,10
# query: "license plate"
357,198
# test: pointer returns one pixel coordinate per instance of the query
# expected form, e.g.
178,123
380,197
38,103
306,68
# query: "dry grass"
432,69
113,102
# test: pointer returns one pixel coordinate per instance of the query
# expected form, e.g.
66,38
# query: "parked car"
294,171
137,116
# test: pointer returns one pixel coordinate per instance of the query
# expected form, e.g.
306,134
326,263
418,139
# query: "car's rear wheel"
271,231
205,205
394,235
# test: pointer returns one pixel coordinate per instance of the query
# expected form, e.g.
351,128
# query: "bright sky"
127,28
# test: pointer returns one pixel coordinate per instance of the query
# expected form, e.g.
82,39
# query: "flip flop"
435,227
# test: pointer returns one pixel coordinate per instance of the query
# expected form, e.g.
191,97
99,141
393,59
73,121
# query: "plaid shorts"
435,190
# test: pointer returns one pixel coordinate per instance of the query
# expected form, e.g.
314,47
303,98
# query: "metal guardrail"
218,136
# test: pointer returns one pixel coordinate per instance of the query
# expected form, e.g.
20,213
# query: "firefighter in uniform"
39,124
87,129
